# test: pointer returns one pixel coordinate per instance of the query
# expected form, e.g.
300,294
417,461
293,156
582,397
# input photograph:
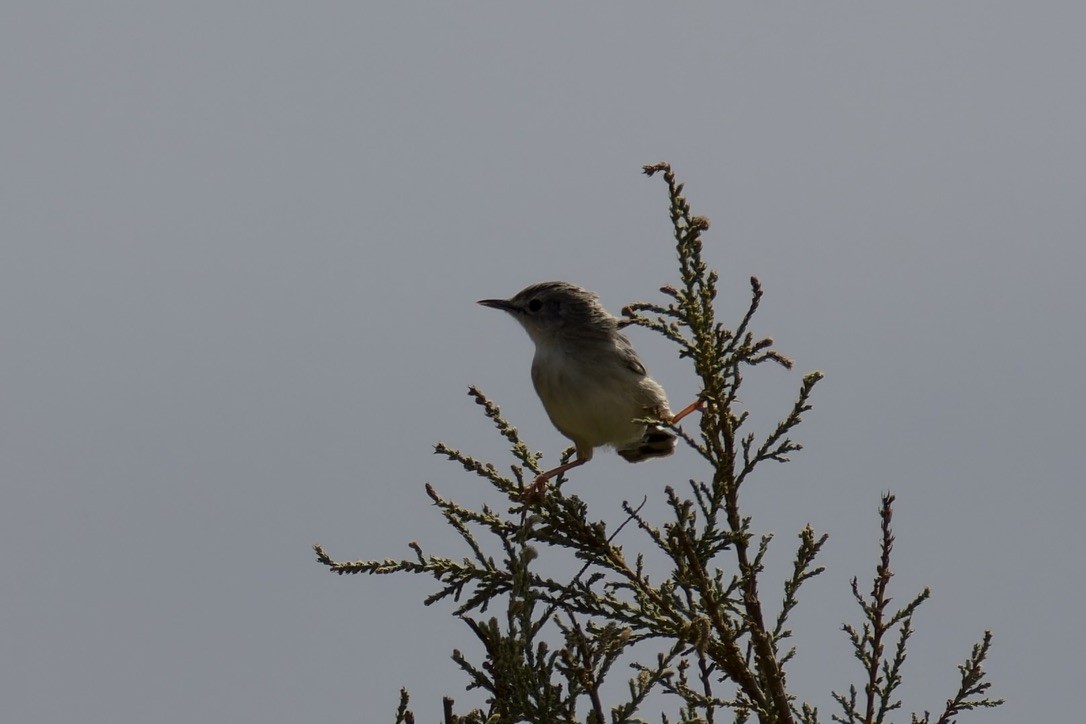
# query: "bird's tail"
655,443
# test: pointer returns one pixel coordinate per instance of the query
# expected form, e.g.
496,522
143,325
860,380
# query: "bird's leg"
540,481
697,404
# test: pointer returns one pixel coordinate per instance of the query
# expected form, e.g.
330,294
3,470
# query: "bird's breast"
592,401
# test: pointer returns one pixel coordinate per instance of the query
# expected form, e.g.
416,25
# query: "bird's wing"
629,356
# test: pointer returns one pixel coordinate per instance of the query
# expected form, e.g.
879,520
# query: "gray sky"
240,245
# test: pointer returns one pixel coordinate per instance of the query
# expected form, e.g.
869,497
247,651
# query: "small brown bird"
590,379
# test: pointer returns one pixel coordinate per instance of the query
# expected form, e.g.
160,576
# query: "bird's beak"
503,304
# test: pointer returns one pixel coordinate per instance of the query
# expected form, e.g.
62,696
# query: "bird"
590,380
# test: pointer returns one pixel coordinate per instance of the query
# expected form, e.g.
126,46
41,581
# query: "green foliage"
884,670
701,634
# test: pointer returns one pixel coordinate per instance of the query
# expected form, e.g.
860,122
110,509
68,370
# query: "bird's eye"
535,305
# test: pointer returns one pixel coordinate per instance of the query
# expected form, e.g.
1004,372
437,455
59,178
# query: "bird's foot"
535,490
698,404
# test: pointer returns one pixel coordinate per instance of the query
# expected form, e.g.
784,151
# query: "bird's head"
556,311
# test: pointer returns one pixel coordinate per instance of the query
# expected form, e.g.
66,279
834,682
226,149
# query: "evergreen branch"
884,674
587,589
646,680
744,324
403,714
848,707
724,650
809,548
483,470
457,516
777,446
808,714
973,685
522,452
